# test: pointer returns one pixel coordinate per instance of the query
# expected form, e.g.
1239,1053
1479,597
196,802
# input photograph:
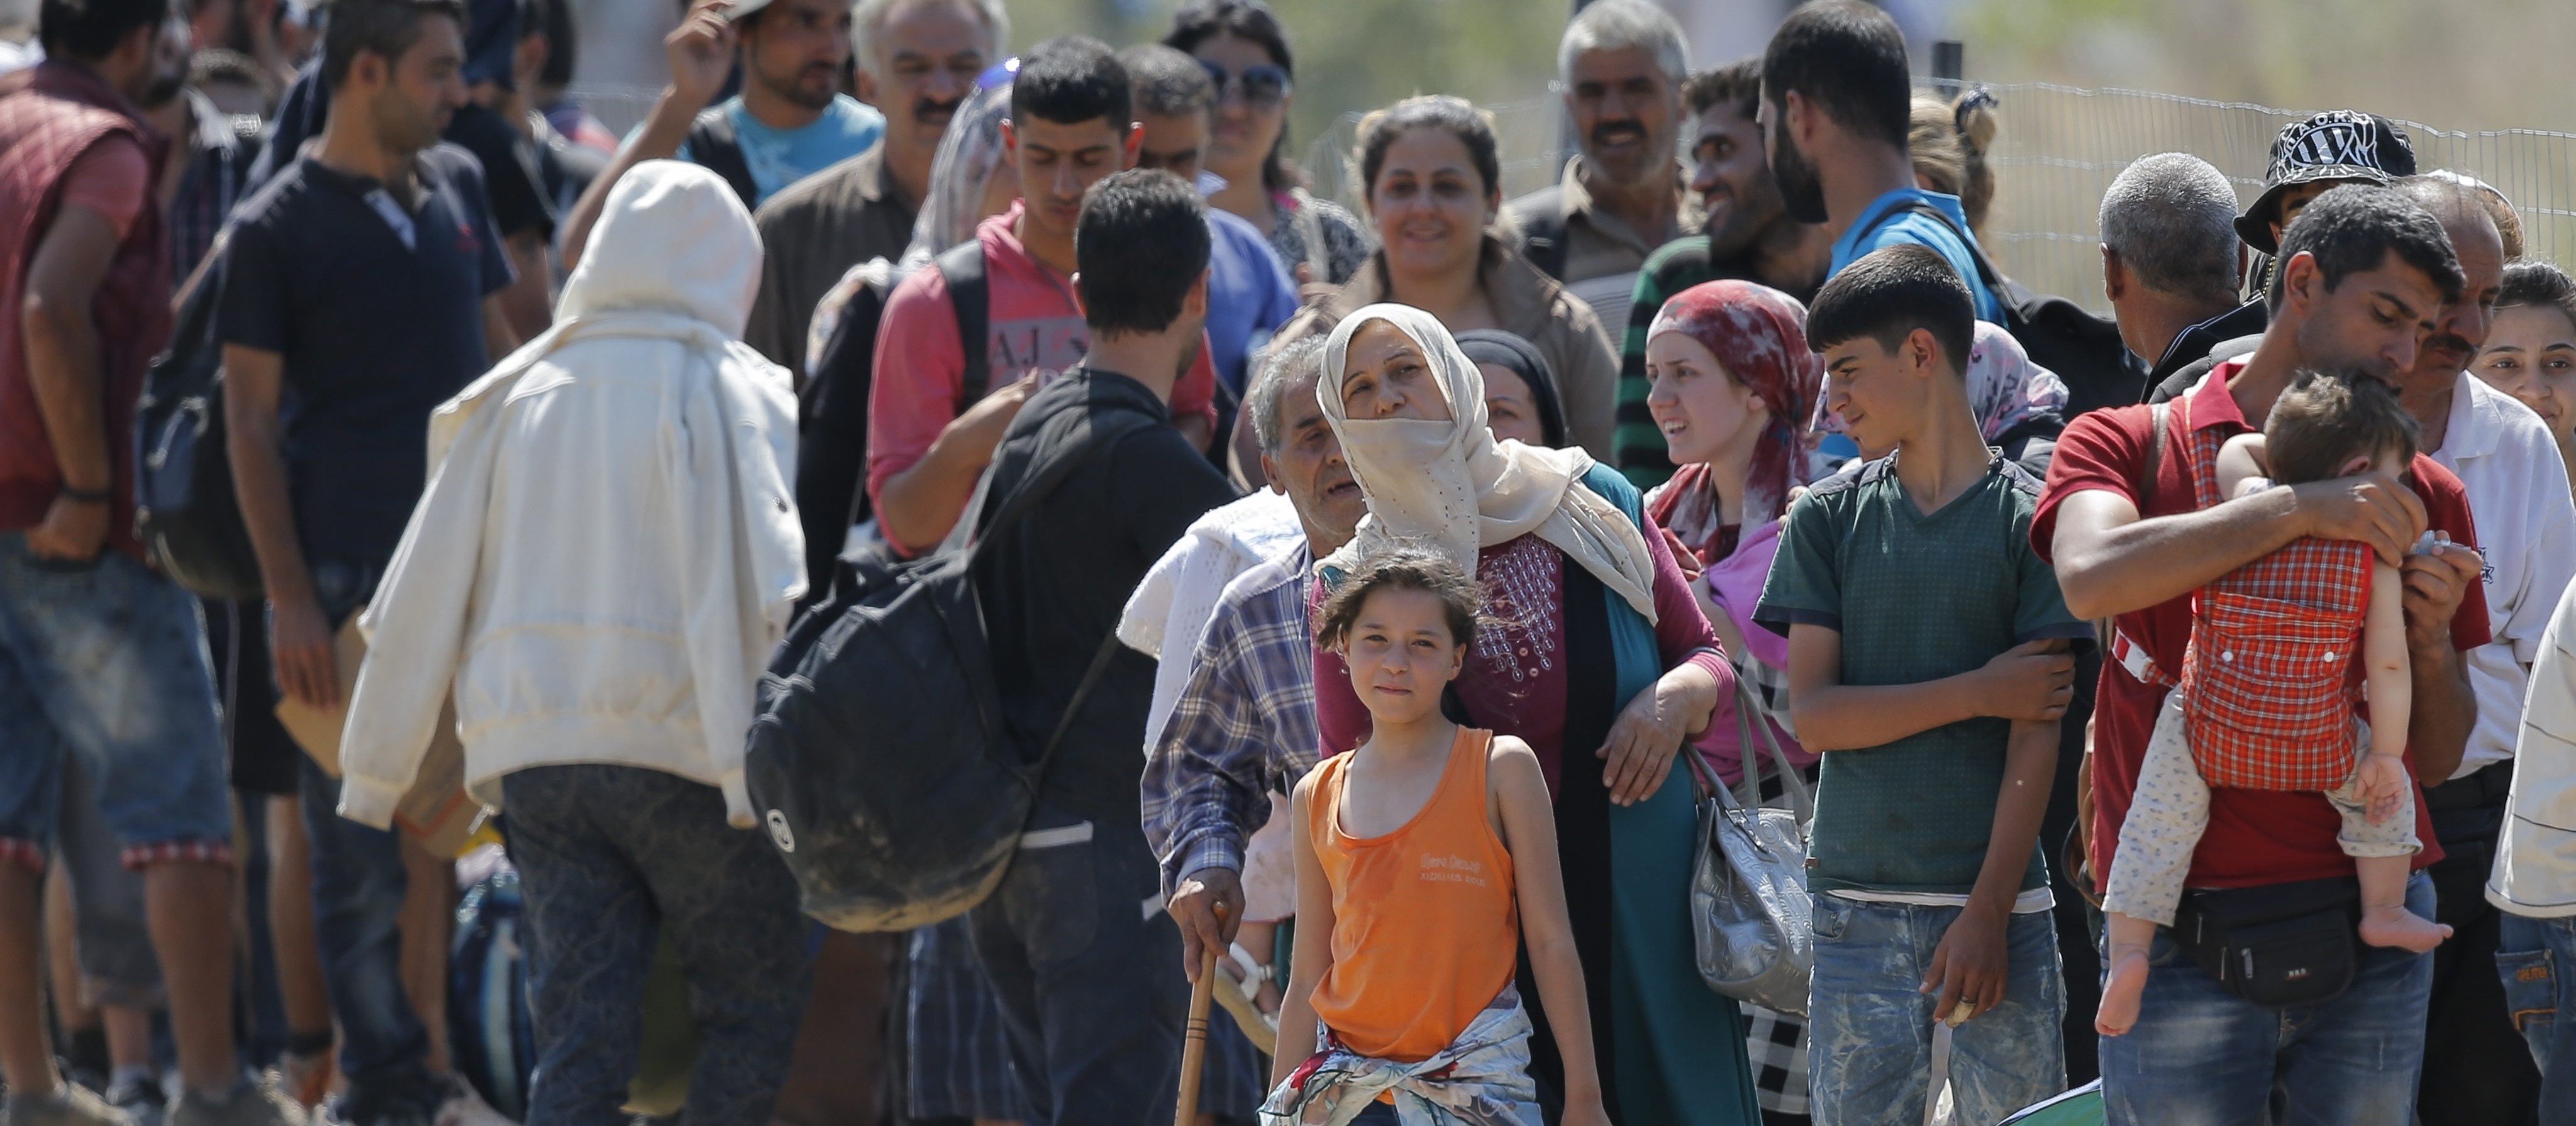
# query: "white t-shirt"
2527,529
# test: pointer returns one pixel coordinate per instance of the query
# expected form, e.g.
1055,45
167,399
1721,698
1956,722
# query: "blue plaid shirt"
1244,727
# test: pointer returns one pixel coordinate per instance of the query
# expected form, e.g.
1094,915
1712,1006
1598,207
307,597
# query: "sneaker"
71,1105
141,1099
306,1076
465,1107
254,1102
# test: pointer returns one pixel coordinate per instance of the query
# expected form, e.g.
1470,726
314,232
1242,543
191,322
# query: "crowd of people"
1378,606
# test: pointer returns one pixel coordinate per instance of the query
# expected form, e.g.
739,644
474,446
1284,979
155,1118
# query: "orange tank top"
1426,926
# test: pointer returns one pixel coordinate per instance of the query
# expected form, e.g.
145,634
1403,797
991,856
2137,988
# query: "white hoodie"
608,549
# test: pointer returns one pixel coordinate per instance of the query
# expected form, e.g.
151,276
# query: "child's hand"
2382,784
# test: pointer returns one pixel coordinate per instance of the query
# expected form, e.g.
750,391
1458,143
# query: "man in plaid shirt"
1244,727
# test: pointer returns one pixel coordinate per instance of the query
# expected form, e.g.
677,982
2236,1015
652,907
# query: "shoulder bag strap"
970,297
714,147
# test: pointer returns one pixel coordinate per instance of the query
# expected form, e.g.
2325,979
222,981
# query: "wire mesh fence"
2058,151
2061,146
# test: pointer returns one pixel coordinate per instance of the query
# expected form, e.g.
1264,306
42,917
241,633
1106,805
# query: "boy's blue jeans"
2537,960
1869,1024
2201,1056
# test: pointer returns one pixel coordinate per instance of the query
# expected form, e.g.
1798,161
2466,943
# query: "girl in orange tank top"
1423,858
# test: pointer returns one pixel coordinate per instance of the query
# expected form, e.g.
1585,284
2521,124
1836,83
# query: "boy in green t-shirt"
1929,659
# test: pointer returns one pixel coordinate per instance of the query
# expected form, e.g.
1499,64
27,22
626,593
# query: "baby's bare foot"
2122,993
2395,926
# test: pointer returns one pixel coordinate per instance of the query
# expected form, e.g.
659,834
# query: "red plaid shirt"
2266,682
2269,704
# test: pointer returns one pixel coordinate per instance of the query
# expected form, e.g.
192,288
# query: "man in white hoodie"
605,555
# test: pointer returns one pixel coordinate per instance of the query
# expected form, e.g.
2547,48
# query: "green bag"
2079,1107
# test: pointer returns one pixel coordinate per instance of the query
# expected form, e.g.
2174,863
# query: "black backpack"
714,147
2084,350
879,758
832,422
184,508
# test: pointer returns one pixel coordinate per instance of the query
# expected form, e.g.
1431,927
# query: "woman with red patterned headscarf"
1733,388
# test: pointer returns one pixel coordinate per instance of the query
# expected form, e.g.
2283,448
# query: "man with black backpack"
1074,940
790,120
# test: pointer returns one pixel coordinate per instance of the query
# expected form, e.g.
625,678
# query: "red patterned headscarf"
1759,335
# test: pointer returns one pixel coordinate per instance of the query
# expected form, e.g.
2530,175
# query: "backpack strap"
1026,495
714,147
1987,274
1543,234
971,297
2161,414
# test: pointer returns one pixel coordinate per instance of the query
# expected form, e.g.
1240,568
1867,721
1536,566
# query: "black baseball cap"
2340,146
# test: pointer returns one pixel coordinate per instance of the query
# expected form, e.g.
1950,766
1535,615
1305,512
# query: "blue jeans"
358,889
1087,967
1869,1023
2537,960
107,661
2201,1056
610,857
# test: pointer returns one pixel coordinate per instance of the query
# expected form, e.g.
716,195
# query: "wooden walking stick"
1194,1035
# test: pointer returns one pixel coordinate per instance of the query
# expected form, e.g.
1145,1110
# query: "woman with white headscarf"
1594,652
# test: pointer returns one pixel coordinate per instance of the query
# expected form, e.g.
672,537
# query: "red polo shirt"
2255,837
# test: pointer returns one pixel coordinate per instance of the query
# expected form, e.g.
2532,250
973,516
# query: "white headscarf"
1451,487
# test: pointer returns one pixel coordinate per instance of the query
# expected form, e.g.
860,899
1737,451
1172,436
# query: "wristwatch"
87,496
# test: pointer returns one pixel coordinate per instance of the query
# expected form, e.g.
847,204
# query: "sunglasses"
1262,85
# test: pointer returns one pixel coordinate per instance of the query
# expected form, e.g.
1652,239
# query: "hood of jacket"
672,239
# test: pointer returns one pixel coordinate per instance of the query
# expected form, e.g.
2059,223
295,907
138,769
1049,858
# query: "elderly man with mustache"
1621,67
2526,525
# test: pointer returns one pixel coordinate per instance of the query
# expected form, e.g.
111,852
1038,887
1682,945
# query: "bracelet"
87,496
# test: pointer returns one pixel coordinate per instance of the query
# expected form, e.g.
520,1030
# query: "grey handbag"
1748,883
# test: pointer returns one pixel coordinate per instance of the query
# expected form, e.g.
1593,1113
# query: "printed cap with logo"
2338,145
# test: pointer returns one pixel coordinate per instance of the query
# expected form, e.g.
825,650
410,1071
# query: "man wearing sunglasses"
1621,68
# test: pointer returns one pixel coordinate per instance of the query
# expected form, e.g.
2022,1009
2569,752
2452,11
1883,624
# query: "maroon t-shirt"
2255,837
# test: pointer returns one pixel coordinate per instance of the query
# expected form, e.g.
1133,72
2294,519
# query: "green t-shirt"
1916,598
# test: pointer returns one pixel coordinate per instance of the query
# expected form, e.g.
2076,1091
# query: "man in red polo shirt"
2365,273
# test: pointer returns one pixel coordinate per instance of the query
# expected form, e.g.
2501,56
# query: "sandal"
1242,1001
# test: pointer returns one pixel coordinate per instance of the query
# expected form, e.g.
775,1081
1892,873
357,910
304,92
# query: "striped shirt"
1244,727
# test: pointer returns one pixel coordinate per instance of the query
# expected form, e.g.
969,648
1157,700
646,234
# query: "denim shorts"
107,660
1869,1024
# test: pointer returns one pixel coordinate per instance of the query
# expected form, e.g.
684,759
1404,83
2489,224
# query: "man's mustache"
932,109
1609,131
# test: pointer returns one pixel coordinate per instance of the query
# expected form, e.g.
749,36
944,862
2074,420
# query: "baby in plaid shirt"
2265,700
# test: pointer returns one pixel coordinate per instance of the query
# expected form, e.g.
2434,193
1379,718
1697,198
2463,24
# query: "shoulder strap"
1987,275
1026,495
2159,414
714,147
970,296
1543,236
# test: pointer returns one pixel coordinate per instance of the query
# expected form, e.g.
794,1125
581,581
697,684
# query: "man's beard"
1749,215
792,87
1802,192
